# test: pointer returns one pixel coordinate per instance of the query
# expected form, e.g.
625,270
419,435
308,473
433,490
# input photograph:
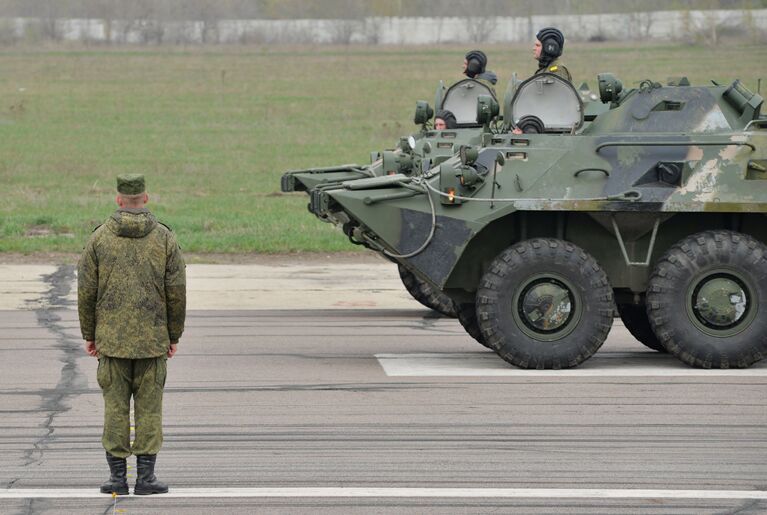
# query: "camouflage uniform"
557,68
132,302
143,379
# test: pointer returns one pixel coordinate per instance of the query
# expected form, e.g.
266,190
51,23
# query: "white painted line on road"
552,493
608,364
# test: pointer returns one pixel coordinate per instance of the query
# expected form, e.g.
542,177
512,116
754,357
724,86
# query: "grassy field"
213,129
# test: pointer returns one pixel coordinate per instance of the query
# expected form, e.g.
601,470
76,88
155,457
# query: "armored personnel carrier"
414,154
655,206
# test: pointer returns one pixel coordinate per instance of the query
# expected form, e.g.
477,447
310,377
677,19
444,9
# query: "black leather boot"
146,481
118,480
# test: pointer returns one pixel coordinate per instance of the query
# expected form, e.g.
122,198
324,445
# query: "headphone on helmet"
551,46
552,40
473,68
476,60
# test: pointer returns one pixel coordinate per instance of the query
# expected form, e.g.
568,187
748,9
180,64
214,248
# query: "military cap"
130,184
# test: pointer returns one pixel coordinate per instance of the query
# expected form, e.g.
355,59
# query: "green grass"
213,129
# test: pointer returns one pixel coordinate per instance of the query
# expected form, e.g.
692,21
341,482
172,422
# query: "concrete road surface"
326,389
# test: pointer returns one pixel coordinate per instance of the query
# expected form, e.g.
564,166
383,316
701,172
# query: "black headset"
551,47
473,67
550,38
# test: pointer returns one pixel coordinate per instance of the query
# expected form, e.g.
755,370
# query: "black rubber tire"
511,271
680,269
467,316
635,319
424,293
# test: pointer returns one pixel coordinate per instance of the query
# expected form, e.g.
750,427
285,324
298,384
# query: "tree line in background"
349,21
201,10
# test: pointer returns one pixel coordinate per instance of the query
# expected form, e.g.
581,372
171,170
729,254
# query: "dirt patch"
281,259
38,230
64,258
38,258
43,230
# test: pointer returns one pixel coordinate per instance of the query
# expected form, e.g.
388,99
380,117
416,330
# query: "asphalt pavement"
326,389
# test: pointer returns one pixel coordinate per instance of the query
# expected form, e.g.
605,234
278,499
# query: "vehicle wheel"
424,293
707,300
467,316
545,303
635,319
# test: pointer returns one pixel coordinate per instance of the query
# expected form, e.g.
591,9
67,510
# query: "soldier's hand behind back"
90,348
172,350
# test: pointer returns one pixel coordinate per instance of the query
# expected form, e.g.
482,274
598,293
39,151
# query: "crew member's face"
439,124
537,49
465,65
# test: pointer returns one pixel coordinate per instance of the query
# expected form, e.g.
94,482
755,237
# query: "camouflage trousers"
144,380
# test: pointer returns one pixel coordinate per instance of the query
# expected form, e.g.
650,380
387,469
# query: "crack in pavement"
71,380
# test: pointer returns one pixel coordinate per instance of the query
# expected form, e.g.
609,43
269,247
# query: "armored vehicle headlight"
405,163
423,112
487,109
451,195
411,142
469,176
468,155
609,87
738,96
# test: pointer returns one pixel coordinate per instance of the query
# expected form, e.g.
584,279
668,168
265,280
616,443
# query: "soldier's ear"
146,198
119,200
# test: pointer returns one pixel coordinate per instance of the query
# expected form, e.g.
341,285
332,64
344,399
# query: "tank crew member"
549,44
445,119
131,299
474,67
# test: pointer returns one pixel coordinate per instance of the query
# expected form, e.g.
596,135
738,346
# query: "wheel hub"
720,301
546,305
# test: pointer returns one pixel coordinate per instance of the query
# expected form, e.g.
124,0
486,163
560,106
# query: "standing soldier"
131,298
549,44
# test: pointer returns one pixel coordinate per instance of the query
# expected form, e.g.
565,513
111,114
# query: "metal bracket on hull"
676,144
619,237
758,123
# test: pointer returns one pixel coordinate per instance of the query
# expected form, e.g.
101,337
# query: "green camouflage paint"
144,380
132,287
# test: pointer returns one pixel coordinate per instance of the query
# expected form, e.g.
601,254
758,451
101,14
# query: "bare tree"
350,12
208,14
639,24
373,27
343,31
480,27
7,32
48,20
481,20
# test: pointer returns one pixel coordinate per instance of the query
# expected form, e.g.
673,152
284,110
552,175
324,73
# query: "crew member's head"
445,120
549,43
131,191
474,63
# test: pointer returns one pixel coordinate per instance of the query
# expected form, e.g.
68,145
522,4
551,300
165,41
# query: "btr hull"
654,209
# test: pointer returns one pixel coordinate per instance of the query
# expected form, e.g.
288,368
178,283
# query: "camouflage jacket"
557,68
131,287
